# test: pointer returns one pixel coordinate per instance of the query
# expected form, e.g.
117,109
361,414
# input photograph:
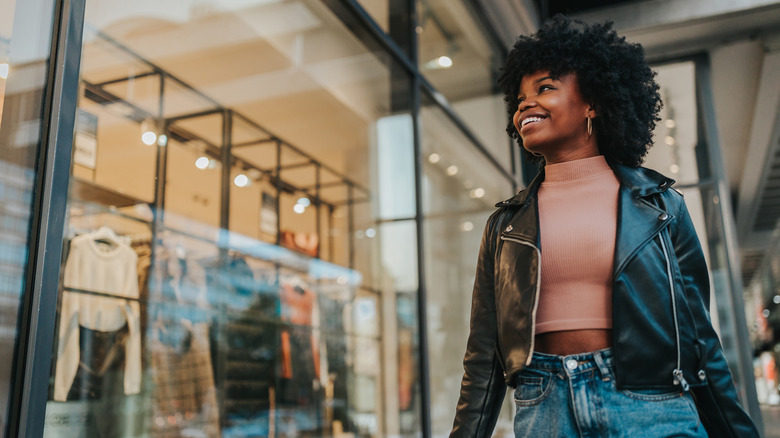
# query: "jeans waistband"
574,363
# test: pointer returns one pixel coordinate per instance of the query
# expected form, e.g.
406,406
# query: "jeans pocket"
652,394
532,387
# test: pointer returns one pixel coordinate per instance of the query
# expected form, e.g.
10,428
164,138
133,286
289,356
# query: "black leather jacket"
660,297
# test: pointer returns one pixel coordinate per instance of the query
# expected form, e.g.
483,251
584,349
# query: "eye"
545,87
520,100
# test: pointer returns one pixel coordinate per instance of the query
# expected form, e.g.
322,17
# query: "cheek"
515,120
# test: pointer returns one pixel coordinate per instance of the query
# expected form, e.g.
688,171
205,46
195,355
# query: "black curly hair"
612,74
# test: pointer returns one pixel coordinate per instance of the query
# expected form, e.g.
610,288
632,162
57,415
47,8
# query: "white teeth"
531,119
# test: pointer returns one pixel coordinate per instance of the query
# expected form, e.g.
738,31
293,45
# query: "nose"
527,103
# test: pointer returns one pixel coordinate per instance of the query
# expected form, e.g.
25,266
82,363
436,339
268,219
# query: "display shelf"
87,191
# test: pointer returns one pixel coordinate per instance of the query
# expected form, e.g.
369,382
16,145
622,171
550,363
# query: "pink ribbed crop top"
578,203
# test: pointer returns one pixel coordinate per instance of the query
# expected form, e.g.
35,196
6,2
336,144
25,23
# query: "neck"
584,149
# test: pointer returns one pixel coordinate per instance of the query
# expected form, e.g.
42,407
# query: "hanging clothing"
110,271
185,397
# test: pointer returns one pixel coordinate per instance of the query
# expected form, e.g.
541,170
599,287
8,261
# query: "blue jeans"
576,396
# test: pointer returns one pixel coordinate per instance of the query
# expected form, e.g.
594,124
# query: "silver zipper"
536,299
677,375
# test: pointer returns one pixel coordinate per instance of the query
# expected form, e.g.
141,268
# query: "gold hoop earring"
590,126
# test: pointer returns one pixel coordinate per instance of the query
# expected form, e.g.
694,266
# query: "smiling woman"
591,295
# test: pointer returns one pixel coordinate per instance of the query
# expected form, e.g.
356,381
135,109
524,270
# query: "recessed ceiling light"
241,180
202,163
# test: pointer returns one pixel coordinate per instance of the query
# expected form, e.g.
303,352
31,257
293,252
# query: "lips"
531,119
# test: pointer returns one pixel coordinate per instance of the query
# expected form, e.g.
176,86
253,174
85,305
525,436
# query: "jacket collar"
639,219
640,181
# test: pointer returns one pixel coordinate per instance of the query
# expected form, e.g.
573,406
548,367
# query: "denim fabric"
576,396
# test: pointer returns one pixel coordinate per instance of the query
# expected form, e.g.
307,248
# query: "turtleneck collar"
576,170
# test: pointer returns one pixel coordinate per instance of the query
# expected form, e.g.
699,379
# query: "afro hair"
613,76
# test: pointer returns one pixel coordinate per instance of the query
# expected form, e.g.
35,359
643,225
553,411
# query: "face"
552,117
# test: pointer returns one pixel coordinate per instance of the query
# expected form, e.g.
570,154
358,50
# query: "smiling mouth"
530,120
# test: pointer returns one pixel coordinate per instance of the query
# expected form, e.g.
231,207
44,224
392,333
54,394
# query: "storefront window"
676,134
231,235
379,10
460,189
459,61
25,41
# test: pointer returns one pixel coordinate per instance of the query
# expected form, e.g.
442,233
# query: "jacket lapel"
638,223
524,225
639,220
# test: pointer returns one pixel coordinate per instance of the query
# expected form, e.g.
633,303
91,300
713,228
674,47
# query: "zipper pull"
679,379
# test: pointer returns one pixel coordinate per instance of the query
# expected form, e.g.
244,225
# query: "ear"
592,112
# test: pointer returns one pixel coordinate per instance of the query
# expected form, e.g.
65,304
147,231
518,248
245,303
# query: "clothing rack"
99,294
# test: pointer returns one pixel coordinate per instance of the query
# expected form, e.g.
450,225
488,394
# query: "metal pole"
415,101
36,333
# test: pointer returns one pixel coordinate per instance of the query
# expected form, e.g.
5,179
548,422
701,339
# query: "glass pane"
25,40
461,188
675,137
379,10
232,243
459,61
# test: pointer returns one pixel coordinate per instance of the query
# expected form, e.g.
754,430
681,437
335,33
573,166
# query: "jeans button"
571,364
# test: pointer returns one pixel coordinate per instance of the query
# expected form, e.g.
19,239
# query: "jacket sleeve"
483,388
693,268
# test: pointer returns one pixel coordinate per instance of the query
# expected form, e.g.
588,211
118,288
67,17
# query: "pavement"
771,417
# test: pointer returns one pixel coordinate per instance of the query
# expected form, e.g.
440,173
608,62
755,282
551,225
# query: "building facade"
248,218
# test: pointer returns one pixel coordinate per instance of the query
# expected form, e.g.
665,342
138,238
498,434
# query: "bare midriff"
566,342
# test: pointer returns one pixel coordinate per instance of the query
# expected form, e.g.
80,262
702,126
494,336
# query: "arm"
693,267
483,388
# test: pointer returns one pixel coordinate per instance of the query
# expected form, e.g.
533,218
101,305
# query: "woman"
591,291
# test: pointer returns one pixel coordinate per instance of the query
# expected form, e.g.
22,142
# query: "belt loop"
603,369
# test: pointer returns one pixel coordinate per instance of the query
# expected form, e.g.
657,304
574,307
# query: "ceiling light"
148,132
434,158
669,123
370,232
202,163
444,61
669,140
466,226
478,192
674,168
4,71
162,140
299,208
241,180
776,299
304,201
766,313
149,138
452,170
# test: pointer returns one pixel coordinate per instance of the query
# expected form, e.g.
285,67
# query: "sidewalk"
771,417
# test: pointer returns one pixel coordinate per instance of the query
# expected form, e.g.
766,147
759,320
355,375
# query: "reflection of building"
303,195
